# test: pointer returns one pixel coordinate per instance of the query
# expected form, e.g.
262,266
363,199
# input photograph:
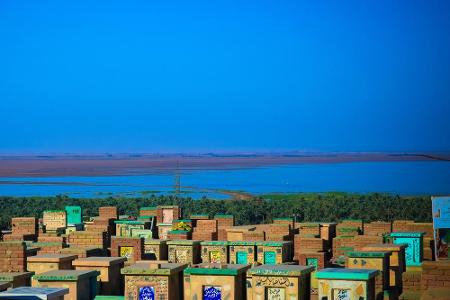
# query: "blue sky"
145,76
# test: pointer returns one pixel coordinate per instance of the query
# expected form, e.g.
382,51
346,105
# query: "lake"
405,178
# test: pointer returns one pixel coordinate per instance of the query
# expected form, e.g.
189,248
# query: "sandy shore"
97,165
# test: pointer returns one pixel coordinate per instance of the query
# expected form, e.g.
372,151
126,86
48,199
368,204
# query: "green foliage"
325,207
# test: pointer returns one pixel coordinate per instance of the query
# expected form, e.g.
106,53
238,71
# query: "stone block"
49,262
82,285
337,283
128,247
154,281
184,252
280,282
110,280
215,281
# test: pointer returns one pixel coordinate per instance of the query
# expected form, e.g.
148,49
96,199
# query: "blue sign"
212,293
441,212
146,293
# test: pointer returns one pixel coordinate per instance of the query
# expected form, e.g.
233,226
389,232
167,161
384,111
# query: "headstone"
272,253
153,281
280,282
414,249
214,252
242,252
346,284
74,215
110,279
214,281
184,251
49,262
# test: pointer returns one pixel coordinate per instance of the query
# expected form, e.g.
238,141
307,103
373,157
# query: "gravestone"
414,248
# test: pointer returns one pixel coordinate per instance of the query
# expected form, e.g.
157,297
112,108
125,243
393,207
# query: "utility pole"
177,184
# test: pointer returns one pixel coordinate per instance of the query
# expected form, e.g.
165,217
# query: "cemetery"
161,255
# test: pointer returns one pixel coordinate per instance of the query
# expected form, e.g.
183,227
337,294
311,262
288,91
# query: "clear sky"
144,76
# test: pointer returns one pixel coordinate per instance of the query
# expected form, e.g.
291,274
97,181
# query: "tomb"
319,260
108,212
280,282
205,230
184,252
128,247
154,281
124,227
110,280
13,256
155,249
242,252
54,220
328,231
373,261
49,262
74,215
24,225
414,248
346,284
166,214
99,239
214,252
82,285
223,222
148,211
397,263
215,281
271,253
16,279
142,233
179,235
163,230
82,251
27,292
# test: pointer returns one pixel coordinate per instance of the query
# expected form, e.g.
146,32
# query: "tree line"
324,207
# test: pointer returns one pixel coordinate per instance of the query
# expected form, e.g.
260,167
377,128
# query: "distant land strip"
140,164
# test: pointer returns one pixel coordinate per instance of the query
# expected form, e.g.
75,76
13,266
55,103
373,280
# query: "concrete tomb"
214,252
49,262
82,285
215,281
271,253
153,281
414,249
110,280
373,261
184,252
242,252
280,282
74,215
346,284
397,264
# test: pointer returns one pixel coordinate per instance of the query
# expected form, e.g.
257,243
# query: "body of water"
405,178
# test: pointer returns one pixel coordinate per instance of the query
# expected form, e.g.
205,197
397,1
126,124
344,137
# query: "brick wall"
377,228
108,212
13,257
136,243
23,226
88,238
